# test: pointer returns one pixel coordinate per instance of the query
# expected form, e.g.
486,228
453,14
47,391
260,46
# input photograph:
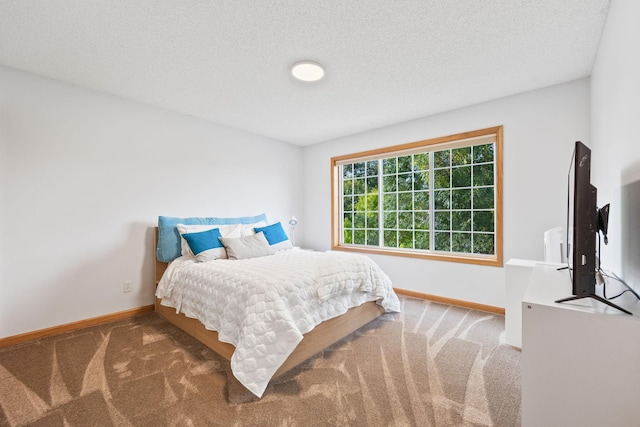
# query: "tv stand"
596,297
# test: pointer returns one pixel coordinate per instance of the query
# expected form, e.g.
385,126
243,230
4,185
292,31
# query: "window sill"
494,261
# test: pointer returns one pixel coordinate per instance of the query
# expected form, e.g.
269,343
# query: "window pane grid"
436,200
360,219
406,201
451,226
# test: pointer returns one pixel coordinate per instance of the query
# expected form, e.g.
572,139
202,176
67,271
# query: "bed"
303,301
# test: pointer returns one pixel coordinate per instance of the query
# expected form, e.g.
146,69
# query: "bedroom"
69,244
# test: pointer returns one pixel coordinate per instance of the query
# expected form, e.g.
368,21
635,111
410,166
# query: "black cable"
604,290
629,288
603,274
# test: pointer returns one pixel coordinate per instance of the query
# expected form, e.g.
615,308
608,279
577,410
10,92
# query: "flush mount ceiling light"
307,71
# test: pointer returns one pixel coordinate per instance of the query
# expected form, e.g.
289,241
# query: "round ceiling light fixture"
307,71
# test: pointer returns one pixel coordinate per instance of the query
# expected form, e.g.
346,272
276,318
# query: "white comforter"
263,305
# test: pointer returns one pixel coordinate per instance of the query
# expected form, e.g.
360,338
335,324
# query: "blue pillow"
275,235
203,240
169,239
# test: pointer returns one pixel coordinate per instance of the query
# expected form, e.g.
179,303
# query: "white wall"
4,319
540,129
84,175
615,113
83,178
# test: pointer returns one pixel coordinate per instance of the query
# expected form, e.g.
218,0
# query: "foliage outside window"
439,198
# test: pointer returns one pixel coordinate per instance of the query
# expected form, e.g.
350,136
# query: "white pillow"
251,246
230,230
284,245
183,229
248,229
205,245
276,236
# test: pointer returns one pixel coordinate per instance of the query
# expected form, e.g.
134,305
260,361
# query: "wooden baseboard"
55,330
16,339
451,301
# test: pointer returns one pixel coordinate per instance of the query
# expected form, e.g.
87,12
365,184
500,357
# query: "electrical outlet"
127,286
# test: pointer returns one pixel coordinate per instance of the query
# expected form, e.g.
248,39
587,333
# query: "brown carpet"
431,365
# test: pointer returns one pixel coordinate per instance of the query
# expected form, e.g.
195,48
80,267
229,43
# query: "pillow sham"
169,240
252,246
205,245
276,236
186,229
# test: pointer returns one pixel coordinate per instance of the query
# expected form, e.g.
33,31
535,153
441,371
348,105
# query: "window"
439,198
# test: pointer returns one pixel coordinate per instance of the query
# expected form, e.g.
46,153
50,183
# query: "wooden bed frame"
321,337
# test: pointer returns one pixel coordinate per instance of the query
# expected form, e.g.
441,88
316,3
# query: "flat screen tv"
584,222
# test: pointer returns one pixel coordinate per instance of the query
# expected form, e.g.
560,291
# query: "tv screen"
584,221
583,224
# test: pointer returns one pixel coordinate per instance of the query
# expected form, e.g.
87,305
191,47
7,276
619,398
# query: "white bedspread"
264,305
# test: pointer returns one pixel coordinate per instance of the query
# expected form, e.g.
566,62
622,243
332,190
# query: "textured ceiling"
227,61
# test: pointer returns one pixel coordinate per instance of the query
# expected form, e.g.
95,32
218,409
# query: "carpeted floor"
431,365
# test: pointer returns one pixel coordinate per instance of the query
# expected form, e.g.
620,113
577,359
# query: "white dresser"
580,359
